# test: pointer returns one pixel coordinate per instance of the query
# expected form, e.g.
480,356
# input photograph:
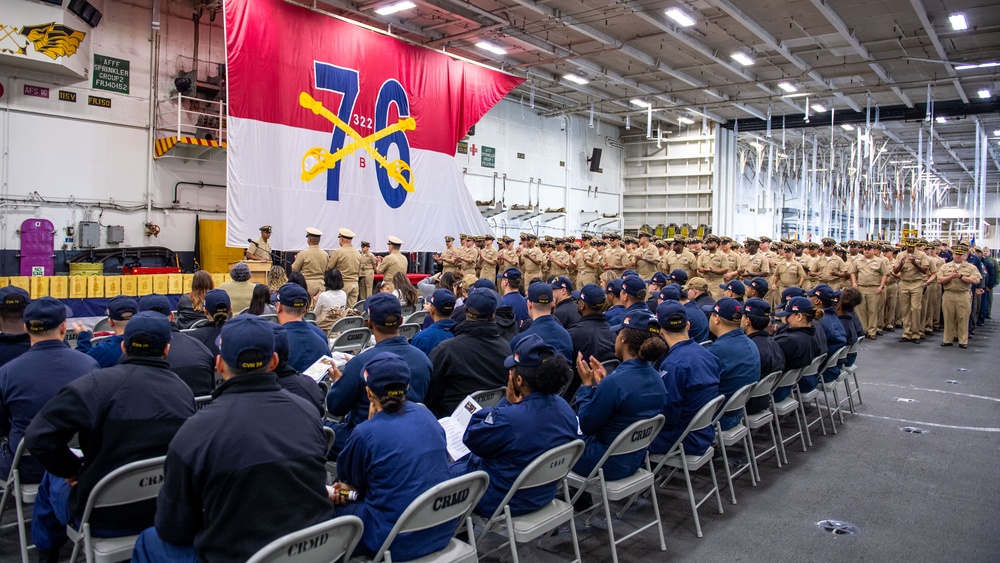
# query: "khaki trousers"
911,295
351,289
869,309
364,288
956,306
932,302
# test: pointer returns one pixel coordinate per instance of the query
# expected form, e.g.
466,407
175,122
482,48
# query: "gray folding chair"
200,323
134,482
200,402
852,372
345,323
417,318
813,369
830,387
489,397
450,501
735,435
636,437
320,543
408,310
788,405
548,468
309,316
103,325
408,330
705,343
270,317
678,460
610,365
330,438
23,494
324,387
764,388
352,340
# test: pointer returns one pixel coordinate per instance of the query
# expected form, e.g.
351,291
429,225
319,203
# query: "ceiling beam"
992,147
838,24
918,7
947,147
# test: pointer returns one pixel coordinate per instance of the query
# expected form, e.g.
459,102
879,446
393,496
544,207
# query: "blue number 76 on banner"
345,81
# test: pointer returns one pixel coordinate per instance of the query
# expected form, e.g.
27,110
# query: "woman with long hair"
404,290
334,295
275,278
218,309
260,302
191,307
609,403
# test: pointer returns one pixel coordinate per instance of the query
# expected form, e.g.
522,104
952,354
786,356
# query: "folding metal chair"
321,543
489,397
23,494
134,482
103,325
735,435
309,316
345,323
200,323
764,388
813,369
636,437
550,467
787,406
677,459
408,310
610,365
828,387
271,317
452,500
352,340
408,330
330,436
200,402
705,343
416,318
852,372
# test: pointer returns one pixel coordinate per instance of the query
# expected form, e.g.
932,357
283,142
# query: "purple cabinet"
37,246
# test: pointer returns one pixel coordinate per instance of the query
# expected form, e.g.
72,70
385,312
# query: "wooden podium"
258,269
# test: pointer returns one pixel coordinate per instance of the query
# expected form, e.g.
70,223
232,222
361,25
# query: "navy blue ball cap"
825,293
679,276
217,301
293,295
155,302
443,300
759,285
727,308
122,308
530,351
591,294
11,296
796,305
540,293
485,284
45,313
633,285
562,282
639,320
789,293
387,375
736,286
247,342
756,307
658,278
511,274
146,331
481,304
671,292
384,310
628,273
614,286
671,314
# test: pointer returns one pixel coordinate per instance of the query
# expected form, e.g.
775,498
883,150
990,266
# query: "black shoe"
916,340
963,346
904,339
946,344
48,556
890,329
879,332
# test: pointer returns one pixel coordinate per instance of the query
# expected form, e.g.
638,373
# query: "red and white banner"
331,125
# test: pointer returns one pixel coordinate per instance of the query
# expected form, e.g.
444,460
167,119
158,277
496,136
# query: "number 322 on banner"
345,81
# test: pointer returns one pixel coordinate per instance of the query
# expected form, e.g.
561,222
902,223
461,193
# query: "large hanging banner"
331,125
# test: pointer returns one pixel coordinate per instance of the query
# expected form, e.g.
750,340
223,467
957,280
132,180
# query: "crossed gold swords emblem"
318,160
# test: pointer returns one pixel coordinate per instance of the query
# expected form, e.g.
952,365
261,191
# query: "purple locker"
37,245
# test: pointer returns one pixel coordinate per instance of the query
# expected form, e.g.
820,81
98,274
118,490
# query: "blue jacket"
614,315
347,396
392,459
300,385
26,384
772,359
12,346
553,333
699,323
690,374
245,470
507,438
633,392
428,338
836,338
306,344
107,352
518,304
739,365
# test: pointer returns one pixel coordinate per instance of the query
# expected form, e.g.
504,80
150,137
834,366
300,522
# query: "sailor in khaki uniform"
682,258
932,296
559,259
449,259
648,261
826,267
890,311
311,262
393,263
957,279
754,264
260,249
507,256
712,266
469,255
587,261
368,263
347,259
913,268
869,274
489,257
788,272
531,257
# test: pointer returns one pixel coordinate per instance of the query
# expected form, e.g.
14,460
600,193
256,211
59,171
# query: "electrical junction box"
116,234
89,234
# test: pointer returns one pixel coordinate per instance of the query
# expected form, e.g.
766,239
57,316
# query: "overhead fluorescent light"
487,46
393,8
742,58
818,108
788,87
958,21
971,66
782,155
640,103
685,120
847,127
996,132
940,119
757,145
680,17
575,78
984,93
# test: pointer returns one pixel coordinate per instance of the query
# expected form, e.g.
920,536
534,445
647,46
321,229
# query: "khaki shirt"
347,259
684,261
394,262
530,269
957,285
868,272
714,260
788,273
368,264
259,250
563,257
449,254
644,268
487,270
506,259
585,255
755,265
617,258
826,268
470,257
311,262
910,273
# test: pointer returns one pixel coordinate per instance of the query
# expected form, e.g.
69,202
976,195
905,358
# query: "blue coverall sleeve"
345,392
488,436
353,463
595,406
179,514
